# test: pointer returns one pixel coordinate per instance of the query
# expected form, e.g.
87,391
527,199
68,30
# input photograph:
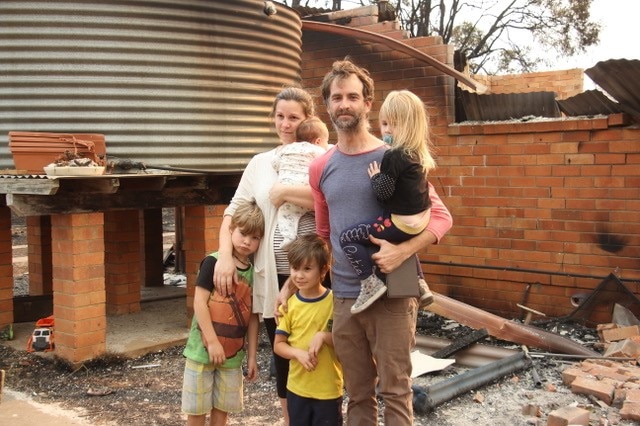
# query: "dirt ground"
146,390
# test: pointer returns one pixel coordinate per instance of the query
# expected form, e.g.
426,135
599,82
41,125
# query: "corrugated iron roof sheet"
185,83
509,106
590,102
620,78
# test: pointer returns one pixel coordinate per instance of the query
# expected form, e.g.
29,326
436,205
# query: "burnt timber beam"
117,193
29,186
39,205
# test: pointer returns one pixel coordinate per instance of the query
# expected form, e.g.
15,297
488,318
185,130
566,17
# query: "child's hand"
315,345
216,353
252,371
374,169
308,361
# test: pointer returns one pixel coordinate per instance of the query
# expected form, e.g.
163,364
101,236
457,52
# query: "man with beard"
374,346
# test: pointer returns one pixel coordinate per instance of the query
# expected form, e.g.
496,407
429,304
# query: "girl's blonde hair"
406,113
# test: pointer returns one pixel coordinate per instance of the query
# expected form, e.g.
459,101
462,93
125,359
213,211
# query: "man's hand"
390,255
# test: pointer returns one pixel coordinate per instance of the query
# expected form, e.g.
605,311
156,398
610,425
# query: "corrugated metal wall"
184,83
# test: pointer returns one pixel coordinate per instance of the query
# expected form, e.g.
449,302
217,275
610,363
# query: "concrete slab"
161,323
18,409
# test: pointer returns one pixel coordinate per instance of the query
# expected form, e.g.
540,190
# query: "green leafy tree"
498,36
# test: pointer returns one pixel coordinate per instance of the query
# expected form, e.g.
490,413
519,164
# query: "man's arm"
319,203
391,255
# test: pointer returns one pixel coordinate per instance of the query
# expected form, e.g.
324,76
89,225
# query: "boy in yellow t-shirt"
314,386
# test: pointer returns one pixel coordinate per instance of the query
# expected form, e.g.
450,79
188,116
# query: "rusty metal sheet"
620,78
590,102
184,83
508,106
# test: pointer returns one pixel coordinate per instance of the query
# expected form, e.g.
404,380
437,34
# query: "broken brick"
603,370
568,416
602,327
623,348
630,410
601,389
620,333
633,395
571,373
531,410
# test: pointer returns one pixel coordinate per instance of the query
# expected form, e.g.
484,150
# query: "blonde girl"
401,187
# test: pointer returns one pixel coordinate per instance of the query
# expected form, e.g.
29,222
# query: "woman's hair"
298,95
248,217
406,113
341,70
309,247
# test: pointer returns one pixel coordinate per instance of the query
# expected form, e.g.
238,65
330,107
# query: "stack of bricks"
565,83
615,384
620,341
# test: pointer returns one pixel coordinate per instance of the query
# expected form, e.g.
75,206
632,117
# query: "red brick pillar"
39,246
201,227
78,286
122,261
6,268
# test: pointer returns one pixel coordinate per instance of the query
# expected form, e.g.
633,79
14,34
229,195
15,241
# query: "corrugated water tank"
183,83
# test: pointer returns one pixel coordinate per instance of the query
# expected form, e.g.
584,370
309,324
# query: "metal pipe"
505,329
398,45
571,356
473,356
537,382
446,390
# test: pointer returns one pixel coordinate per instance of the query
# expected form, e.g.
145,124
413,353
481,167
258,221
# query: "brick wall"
201,229
6,271
551,205
79,285
542,210
565,83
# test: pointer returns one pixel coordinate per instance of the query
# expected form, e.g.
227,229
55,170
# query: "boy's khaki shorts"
205,386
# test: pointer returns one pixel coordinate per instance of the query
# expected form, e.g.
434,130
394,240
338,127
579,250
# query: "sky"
618,19
617,36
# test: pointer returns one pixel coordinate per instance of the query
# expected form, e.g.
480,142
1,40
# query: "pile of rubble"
600,365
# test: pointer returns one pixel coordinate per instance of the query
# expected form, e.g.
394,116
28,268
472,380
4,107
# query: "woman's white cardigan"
256,182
